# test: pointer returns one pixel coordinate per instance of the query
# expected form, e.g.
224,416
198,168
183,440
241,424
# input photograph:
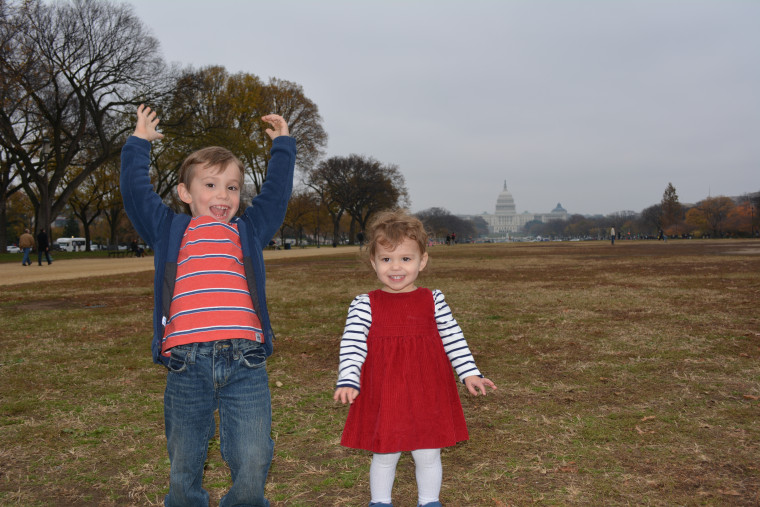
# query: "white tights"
427,464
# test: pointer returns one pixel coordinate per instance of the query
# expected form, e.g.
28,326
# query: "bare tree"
88,200
651,218
752,201
327,182
13,102
301,206
9,185
73,70
713,212
373,187
439,222
304,121
359,186
209,106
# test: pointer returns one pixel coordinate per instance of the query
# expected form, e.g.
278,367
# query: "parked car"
13,249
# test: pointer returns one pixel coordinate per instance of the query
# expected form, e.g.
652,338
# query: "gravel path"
13,273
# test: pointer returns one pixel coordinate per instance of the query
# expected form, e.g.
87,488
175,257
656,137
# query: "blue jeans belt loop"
192,353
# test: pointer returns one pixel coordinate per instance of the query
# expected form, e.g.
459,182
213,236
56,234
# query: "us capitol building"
506,220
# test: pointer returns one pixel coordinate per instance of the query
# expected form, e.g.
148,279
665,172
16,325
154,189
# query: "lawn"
627,375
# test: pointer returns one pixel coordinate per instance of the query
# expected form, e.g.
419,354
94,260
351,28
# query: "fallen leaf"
648,418
751,397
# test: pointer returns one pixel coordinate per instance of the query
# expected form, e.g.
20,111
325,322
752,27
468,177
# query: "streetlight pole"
319,212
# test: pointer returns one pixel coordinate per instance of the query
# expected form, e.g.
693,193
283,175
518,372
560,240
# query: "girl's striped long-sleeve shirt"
353,344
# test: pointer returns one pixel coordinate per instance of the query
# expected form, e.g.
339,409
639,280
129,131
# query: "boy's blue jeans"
231,376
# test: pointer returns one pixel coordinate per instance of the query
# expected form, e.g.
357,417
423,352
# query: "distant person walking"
137,250
43,246
360,239
612,236
26,243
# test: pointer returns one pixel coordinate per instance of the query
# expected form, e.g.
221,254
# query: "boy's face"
398,268
212,192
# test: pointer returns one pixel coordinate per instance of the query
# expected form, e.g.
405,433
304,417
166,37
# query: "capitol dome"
505,204
559,209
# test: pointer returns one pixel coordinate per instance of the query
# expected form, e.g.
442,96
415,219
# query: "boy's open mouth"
219,211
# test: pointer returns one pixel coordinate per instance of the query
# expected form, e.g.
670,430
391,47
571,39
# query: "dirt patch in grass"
627,375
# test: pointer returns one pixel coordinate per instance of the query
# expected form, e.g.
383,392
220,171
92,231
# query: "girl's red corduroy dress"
409,398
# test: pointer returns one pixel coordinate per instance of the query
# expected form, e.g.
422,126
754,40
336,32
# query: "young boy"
210,319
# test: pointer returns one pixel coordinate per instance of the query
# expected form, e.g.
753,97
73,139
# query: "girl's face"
397,268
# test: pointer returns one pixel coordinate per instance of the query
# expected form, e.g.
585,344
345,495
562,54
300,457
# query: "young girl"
397,351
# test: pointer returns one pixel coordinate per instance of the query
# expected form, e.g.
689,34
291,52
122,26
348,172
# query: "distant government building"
506,220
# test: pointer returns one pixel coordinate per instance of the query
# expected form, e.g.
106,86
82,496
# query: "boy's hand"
345,395
279,125
475,384
146,124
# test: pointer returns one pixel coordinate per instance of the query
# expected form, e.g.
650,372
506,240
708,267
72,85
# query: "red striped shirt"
211,297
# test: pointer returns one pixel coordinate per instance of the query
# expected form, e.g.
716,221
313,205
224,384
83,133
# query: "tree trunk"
352,231
3,223
336,231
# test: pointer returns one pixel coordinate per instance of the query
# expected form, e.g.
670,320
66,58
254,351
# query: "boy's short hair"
211,156
390,229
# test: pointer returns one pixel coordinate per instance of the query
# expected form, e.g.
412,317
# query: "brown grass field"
627,375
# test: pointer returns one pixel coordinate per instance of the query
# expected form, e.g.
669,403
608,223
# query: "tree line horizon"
718,216
73,74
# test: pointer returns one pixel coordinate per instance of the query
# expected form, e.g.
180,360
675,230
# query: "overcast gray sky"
594,104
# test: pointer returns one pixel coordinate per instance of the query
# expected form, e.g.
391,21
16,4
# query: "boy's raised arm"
146,124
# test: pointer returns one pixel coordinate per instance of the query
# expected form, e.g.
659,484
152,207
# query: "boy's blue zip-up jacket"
162,228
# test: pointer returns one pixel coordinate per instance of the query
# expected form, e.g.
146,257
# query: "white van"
71,244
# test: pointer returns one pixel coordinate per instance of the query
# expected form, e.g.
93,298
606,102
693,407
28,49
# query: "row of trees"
72,74
67,74
308,220
712,217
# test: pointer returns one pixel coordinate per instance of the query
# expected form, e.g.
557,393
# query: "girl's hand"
146,124
279,125
345,395
475,384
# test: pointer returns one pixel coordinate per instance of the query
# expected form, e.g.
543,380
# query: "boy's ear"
184,194
423,261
